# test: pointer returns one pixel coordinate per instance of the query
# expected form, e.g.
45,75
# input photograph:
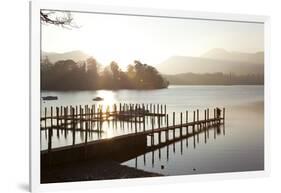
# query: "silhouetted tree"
68,75
64,19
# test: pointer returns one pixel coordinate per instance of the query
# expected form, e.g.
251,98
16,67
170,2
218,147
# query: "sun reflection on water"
109,98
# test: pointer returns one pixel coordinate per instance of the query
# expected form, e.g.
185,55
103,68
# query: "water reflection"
242,148
83,124
157,158
109,99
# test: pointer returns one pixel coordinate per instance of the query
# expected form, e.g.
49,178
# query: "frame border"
34,92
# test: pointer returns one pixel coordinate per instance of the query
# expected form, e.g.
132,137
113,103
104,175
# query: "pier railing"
90,118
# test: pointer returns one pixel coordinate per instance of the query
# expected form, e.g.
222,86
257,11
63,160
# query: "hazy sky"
150,40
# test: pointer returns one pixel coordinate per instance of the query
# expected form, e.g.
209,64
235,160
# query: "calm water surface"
238,147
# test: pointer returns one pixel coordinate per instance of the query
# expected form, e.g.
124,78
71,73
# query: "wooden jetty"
122,147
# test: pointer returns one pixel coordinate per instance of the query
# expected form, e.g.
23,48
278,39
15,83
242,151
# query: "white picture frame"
36,6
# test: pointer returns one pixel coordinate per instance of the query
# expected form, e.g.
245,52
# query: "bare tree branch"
64,20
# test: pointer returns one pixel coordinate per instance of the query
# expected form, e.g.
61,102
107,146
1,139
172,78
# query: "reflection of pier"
126,146
159,147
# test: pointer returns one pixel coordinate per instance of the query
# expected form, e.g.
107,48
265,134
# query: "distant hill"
222,54
214,61
214,79
75,55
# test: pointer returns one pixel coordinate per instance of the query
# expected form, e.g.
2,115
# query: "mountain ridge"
75,55
216,60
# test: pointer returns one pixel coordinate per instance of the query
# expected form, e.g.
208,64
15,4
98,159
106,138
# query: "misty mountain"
222,54
75,55
214,79
216,62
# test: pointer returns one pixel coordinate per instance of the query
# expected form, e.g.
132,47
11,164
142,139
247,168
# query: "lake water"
238,147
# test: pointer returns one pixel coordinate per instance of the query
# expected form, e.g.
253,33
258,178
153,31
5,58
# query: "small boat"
50,98
97,99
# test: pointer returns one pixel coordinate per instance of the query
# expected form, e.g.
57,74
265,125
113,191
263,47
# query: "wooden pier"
89,119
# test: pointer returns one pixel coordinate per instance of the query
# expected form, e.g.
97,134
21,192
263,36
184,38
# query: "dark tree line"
87,75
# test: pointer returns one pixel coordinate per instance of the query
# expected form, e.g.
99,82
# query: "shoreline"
91,170
207,85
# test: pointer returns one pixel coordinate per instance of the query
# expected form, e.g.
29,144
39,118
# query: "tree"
92,73
63,19
70,75
92,66
115,69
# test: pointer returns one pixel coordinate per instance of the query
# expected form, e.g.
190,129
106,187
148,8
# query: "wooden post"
157,109
208,123
158,119
143,124
131,115
152,134
198,125
143,112
82,118
57,118
86,113
49,139
205,118
205,124
193,128
186,121
57,121
64,118
140,115
92,116
165,112
75,113
215,116
197,118
86,132
100,119
73,126
161,113
174,130
152,123
60,115
67,118
51,119
181,126
223,114
50,133
88,121
135,119
45,117
159,137
167,131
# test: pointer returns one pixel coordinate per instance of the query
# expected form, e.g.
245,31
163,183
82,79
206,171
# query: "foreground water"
238,147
